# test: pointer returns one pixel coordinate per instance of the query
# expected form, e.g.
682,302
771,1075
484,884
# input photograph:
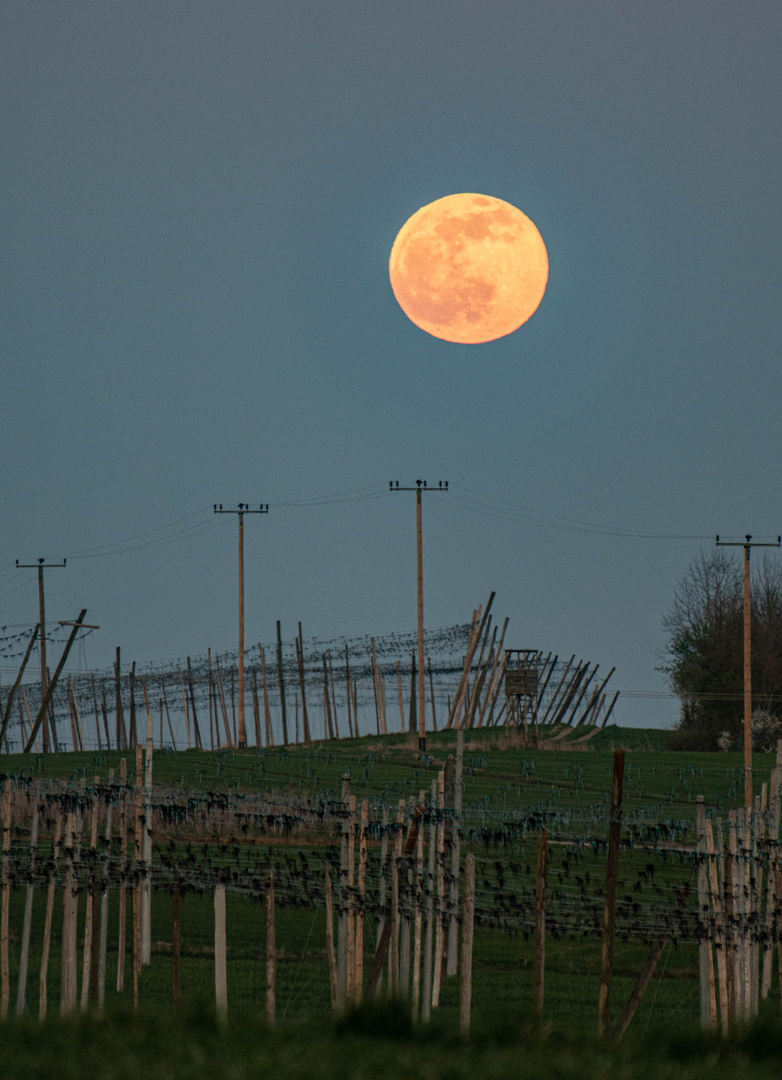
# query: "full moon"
469,268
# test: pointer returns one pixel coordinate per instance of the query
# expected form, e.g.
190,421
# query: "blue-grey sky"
199,203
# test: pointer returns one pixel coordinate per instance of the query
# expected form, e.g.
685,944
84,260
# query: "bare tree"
704,652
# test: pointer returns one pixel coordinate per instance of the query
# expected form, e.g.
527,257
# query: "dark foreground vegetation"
373,1042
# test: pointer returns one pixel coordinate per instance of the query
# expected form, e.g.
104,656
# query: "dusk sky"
199,202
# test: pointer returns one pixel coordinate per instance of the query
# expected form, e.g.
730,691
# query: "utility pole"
241,510
419,489
40,566
747,543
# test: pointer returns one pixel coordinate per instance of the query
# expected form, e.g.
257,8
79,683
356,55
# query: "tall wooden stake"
47,927
123,888
221,956
271,953
468,922
281,678
21,993
5,971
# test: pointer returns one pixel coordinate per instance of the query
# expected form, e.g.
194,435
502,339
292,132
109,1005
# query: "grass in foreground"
375,1041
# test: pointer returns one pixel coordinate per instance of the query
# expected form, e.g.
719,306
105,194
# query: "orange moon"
469,268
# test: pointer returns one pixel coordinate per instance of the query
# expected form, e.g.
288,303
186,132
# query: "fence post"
221,967
468,923
21,993
104,904
456,839
47,929
704,945
271,952
5,971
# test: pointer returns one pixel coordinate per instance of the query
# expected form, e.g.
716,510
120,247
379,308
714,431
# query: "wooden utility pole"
241,510
419,489
40,566
747,544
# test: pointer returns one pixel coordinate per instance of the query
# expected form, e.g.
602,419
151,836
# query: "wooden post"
638,990
439,941
146,846
704,945
47,929
393,967
540,927
719,927
332,956
90,945
70,910
104,905
456,856
121,741
351,974
431,692
405,914
468,922
138,848
358,979
221,964
256,712
426,1005
300,664
775,798
281,678
380,690
221,689
5,970
401,697
745,902
735,895
419,899
382,884
333,697
168,715
328,730
748,788
196,728
267,714
344,904
123,888
271,952
609,913
353,730
24,958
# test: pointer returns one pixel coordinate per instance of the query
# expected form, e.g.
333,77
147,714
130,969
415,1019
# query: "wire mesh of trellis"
223,840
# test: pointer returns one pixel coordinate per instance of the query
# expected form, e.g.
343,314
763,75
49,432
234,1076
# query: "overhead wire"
521,515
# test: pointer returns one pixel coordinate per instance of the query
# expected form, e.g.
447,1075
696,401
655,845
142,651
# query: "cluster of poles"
333,696
418,935
66,866
740,900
